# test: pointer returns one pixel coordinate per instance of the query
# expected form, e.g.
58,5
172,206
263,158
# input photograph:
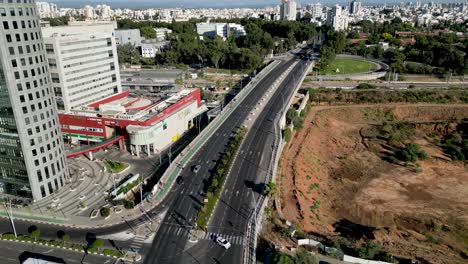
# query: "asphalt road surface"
10,252
236,203
183,201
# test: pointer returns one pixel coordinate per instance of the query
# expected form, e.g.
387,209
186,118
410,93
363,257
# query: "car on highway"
223,242
196,169
180,180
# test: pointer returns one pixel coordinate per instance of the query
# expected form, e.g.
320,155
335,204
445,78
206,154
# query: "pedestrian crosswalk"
180,231
137,243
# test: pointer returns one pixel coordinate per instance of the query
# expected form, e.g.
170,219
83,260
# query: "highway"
237,201
184,201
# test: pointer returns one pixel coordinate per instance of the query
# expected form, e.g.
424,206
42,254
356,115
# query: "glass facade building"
32,157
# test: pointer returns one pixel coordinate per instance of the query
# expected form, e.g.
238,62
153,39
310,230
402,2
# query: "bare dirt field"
335,180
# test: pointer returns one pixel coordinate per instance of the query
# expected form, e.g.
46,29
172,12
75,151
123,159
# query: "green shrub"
8,236
128,204
105,212
287,135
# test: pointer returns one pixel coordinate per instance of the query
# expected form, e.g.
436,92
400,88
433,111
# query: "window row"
32,71
27,49
16,24
20,11
35,84
19,38
39,139
35,118
32,107
47,172
51,188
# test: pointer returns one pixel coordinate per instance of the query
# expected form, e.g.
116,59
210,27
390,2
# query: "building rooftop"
126,107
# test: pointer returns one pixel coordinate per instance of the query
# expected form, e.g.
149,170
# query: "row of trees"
237,52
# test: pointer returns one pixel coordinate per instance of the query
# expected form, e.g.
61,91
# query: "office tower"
83,63
32,158
288,10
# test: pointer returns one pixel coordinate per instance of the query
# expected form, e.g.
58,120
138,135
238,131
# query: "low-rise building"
148,125
151,47
125,36
223,30
162,33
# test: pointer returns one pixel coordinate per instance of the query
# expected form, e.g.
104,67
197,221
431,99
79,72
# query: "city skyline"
217,4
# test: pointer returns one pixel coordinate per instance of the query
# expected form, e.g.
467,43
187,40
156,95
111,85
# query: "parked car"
223,242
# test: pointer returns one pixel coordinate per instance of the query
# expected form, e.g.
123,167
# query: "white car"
223,242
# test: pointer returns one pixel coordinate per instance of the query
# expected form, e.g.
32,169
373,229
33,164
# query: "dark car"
180,180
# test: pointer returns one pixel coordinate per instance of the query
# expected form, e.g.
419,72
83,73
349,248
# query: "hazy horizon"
135,4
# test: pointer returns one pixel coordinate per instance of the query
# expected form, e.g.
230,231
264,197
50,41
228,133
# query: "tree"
127,53
353,35
148,32
304,257
97,244
35,233
369,250
280,258
65,238
270,189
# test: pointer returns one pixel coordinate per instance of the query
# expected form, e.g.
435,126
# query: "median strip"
216,181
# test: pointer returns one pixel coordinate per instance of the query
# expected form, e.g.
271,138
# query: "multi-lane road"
171,244
237,200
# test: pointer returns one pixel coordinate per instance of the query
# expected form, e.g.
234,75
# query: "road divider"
218,178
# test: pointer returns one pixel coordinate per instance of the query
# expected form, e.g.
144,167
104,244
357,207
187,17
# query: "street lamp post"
10,215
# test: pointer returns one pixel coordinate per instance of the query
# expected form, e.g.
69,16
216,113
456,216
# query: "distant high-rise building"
288,10
32,155
337,19
47,10
355,7
83,63
316,10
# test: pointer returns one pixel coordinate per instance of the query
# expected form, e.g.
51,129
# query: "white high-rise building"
88,11
316,10
337,18
47,10
355,7
288,10
83,64
32,155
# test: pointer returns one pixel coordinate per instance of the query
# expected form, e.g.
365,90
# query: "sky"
135,4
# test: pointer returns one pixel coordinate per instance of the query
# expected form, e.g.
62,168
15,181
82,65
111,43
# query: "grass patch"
226,71
348,66
115,166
